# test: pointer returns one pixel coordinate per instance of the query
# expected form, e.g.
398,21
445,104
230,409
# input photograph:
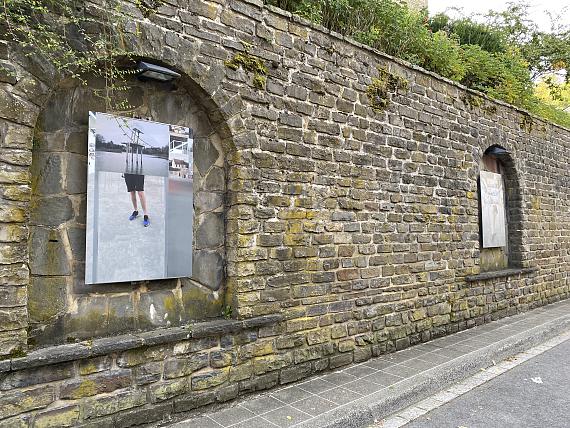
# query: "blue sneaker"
134,215
146,221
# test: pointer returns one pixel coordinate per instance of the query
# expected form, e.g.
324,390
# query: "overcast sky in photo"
538,8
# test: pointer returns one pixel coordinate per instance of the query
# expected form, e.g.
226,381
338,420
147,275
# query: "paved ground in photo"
312,402
127,251
533,394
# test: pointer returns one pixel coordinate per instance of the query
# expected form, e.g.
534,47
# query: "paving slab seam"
419,409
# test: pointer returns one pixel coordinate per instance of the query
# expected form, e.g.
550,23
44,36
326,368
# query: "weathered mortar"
359,227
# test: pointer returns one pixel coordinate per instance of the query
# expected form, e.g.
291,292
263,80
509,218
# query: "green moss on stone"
526,122
251,64
14,353
381,87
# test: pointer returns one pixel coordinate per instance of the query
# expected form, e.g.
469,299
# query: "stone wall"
351,218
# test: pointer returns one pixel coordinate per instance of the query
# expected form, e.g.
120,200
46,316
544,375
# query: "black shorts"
134,182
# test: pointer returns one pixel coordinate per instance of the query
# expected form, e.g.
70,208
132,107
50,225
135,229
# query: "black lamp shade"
146,70
496,151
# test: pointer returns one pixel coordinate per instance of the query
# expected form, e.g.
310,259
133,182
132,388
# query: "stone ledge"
106,345
499,274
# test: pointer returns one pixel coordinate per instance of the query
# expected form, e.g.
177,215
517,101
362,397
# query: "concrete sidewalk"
359,395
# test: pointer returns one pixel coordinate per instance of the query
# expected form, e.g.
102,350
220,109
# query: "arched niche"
61,306
498,160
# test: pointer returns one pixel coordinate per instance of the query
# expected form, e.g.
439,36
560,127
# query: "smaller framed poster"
493,218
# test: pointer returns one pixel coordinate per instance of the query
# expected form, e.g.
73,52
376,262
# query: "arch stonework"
60,306
45,199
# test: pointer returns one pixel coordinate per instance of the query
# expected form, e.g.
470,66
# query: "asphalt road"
534,394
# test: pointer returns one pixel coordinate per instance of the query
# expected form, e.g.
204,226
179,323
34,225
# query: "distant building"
416,4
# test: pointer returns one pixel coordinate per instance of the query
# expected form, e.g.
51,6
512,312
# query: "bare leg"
134,200
143,202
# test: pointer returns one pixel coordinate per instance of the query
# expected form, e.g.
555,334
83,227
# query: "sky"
114,129
482,6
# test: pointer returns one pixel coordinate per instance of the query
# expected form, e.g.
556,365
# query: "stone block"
207,201
76,237
52,211
215,181
159,308
8,72
16,402
148,373
208,268
205,154
90,320
95,384
121,314
21,421
142,416
15,136
76,174
17,109
13,296
176,367
76,142
11,214
139,356
47,297
110,404
34,376
12,341
47,173
13,232
94,365
210,379
167,390
211,231
55,418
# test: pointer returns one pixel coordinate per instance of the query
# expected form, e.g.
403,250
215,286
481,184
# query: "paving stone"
363,387
314,405
232,416
316,385
263,404
340,395
286,416
291,394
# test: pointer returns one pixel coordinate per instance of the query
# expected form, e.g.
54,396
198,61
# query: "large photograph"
139,200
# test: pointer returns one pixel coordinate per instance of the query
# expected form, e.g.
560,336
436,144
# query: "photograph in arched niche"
139,200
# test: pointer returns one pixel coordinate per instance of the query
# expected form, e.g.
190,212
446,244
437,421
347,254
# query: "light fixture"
497,151
146,70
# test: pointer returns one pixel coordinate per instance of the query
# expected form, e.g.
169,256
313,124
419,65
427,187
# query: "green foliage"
74,42
227,312
469,32
251,64
500,55
148,7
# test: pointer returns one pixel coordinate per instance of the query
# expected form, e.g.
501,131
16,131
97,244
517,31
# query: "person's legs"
142,197
135,213
134,200
143,201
